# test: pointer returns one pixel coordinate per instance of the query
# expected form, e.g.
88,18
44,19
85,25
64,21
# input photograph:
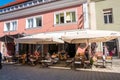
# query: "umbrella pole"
89,49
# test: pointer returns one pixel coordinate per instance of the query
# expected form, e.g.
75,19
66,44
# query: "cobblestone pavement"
18,72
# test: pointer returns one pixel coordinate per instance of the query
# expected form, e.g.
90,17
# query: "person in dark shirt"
0,60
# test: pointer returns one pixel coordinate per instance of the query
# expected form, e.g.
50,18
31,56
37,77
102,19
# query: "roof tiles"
14,3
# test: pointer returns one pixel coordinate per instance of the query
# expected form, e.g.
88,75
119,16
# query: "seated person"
81,49
23,58
80,53
87,53
33,58
63,55
55,57
48,57
36,54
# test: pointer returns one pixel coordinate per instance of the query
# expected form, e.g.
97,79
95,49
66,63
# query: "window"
38,21
12,8
7,26
10,26
16,6
1,10
65,17
21,5
35,2
40,0
46,0
25,4
8,8
5,10
30,3
34,22
108,17
30,23
14,25
70,17
61,18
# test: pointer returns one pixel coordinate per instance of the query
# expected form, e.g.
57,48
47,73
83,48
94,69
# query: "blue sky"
3,2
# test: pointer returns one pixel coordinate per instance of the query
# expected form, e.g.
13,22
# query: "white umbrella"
82,36
41,38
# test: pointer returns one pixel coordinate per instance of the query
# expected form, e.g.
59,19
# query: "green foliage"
91,61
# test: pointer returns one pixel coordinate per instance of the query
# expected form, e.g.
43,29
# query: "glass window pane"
8,26
105,19
30,23
73,17
38,21
57,19
40,0
110,19
61,17
14,25
68,17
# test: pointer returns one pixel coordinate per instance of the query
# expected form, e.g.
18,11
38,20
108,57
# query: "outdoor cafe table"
46,63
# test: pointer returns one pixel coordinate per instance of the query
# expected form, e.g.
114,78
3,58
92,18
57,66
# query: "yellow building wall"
115,5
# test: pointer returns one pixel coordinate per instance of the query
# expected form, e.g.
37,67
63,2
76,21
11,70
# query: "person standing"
0,60
105,50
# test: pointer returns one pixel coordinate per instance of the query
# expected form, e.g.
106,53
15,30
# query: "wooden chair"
69,62
108,60
87,64
63,56
100,61
78,61
23,58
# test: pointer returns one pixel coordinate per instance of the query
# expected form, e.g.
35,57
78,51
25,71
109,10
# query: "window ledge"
33,28
65,24
10,31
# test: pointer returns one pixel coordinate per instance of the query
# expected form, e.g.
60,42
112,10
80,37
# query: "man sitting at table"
55,57
34,58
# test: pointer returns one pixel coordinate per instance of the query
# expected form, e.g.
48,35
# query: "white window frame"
14,27
41,21
11,26
71,10
27,23
107,13
34,22
5,26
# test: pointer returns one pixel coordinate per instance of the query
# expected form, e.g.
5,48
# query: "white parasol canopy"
41,38
82,36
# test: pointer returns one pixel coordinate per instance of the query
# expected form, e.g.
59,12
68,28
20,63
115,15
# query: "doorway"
112,47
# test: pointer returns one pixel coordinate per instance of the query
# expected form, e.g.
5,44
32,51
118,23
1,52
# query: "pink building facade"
33,17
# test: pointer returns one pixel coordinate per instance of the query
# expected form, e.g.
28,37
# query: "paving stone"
20,72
